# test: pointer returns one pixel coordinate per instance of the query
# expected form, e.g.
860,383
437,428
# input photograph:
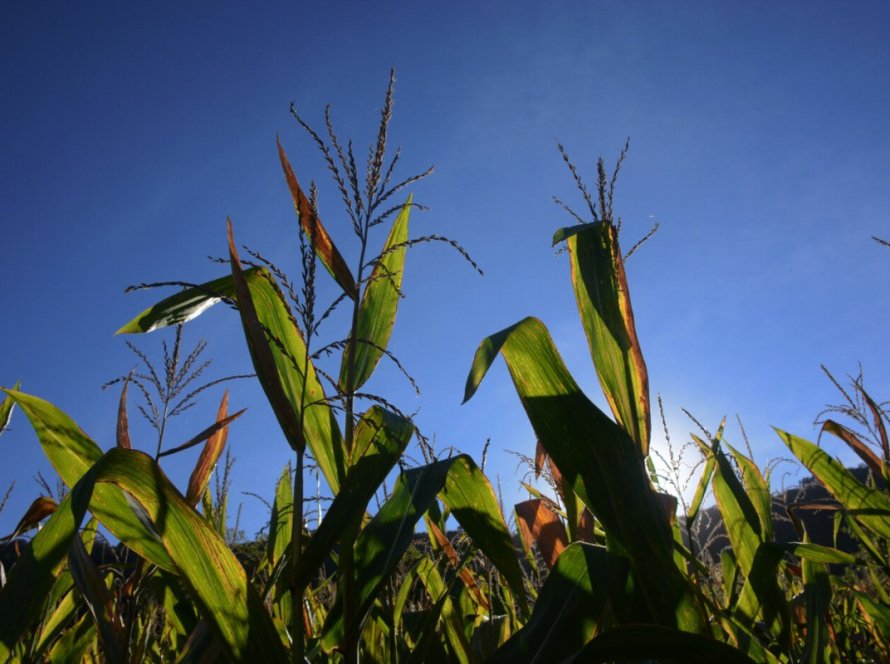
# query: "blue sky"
759,141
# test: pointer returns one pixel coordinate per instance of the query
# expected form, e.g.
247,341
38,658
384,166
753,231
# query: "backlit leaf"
377,312
601,294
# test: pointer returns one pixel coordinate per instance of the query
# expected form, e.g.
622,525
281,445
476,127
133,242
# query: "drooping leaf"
316,232
862,450
599,461
72,454
377,312
870,507
601,294
213,448
182,307
212,575
539,524
6,407
286,373
41,508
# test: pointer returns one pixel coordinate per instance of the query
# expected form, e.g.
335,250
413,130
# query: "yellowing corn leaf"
539,524
209,455
316,232
286,373
599,461
210,572
72,454
601,294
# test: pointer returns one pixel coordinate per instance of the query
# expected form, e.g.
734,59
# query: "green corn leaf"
286,373
645,642
98,600
377,313
383,436
758,491
72,453
6,407
451,617
700,491
568,609
603,300
762,596
75,643
870,507
182,307
817,591
599,462
737,511
819,554
209,570
281,525
380,545
877,616
468,495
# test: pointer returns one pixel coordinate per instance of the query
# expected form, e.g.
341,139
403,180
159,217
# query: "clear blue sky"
760,141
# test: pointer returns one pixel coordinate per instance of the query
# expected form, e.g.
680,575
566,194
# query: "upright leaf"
603,301
377,312
316,232
284,369
210,454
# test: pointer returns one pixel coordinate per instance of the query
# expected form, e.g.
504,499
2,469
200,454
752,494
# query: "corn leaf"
377,313
281,525
757,490
870,507
598,459
98,600
72,453
539,524
463,488
384,436
316,232
6,407
451,617
817,591
182,307
603,300
286,373
212,575
210,454
567,611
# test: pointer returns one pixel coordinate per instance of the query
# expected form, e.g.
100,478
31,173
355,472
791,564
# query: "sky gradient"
759,142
